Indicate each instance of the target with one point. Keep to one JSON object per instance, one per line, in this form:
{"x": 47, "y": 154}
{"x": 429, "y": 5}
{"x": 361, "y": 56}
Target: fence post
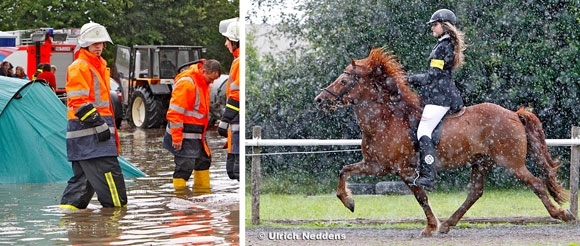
{"x": 574, "y": 163}
{"x": 256, "y": 176}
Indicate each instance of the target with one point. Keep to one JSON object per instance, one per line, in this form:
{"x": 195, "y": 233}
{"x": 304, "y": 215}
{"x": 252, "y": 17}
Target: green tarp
{"x": 32, "y": 135}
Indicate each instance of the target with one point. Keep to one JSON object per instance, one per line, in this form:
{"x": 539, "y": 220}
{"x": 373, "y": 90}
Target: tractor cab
{"x": 146, "y": 74}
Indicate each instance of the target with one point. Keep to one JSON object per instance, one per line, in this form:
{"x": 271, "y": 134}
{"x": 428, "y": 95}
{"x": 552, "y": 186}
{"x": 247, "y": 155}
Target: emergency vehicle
{"x": 141, "y": 97}
{"x": 45, "y": 45}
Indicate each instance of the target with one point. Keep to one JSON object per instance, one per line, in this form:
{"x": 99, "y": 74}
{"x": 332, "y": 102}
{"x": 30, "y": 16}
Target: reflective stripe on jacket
{"x": 188, "y": 114}
{"x": 233, "y": 85}
{"x": 88, "y": 82}
{"x": 233, "y": 88}
{"x": 233, "y": 98}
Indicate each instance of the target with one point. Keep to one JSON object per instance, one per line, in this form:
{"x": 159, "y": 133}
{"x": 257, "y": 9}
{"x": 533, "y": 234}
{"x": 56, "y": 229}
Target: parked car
{"x": 116, "y": 93}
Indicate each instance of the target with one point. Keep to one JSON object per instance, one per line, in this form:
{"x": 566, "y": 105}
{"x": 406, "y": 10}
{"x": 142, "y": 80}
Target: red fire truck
{"x": 44, "y": 46}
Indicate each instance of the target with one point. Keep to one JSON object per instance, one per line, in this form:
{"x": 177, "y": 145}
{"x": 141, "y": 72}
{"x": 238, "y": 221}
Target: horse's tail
{"x": 538, "y": 148}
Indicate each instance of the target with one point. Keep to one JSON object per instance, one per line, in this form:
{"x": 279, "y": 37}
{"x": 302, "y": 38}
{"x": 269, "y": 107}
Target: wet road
{"x": 156, "y": 215}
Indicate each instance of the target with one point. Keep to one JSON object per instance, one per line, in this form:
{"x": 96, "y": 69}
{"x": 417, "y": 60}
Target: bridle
{"x": 355, "y": 79}
{"x": 347, "y": 89}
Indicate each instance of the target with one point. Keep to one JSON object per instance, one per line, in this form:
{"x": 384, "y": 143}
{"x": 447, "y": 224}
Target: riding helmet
{"x": 443, "y": 15}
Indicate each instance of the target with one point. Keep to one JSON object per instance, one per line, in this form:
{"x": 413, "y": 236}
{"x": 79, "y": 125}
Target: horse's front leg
{"x": 421, "y": 196}
{"x": 362, "y": 167}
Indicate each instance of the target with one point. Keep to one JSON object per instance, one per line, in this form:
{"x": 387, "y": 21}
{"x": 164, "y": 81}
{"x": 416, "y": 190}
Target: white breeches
{"x": 432, "y": 115}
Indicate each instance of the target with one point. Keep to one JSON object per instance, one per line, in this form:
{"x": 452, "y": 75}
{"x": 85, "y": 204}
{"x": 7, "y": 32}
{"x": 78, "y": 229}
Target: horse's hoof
{"x": 444, "y": 228}
{"x": 426, "y": 233}
{"x": 350, "y": 205}
{"x": 570, "y": 218}
{"x": 347, "y": 201}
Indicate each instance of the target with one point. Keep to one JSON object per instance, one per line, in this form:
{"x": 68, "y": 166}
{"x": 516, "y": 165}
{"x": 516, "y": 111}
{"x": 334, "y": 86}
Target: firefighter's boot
{"x": 179, "y": 183}
{"x": 201, "y": 181}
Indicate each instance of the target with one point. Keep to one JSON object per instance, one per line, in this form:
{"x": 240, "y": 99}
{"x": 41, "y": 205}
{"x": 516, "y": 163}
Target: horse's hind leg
{"x": 477, "y": 178}
{"x": 534, "y": 183}
{"x": 356, "y": 168}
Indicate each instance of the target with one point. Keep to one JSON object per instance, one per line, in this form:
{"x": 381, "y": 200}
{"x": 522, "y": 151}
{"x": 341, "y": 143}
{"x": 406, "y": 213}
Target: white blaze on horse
{"x": 483, "y": 136}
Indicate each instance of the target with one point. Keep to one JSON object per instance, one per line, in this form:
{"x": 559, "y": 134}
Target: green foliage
{"x": 131, "y": 22}
{"x": 518, "y": 53}
{"x": 526, "y": 54}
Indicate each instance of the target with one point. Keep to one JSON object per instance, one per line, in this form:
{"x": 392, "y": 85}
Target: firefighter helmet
{"x": 93, "y": 33}
{"x": 233, "y": 31}
{"x": 443, "y": 15}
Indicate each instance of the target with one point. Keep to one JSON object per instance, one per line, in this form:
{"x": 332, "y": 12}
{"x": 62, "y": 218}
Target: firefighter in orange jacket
{"x": 229, "y": 125}
{"x": 187, "y": 122}
{"x": 91, "y": 139}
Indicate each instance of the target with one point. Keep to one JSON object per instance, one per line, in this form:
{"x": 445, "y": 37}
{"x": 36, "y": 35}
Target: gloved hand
{"x": 416, "y": 79}
{"x": 90, "y": 117}
{"x": 103, "y": 132}
{"x": 223, "y": 129}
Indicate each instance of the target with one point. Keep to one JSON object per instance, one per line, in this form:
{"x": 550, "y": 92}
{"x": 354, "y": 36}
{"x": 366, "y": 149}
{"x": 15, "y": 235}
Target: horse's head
{"x": 351, "y": 87}
{"x": 378, "y": 77}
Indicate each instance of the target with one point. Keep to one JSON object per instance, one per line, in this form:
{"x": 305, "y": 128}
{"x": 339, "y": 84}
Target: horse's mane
{"x": 399, "y": 92}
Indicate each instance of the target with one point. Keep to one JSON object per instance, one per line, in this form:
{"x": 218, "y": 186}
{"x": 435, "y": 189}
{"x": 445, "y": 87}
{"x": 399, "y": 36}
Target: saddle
{"x": 436, "y": 135}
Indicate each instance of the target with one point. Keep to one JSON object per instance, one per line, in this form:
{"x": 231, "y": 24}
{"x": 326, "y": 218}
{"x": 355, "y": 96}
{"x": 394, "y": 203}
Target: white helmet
{"x": 93, "y": 33}
{"x": 233, "y": 31}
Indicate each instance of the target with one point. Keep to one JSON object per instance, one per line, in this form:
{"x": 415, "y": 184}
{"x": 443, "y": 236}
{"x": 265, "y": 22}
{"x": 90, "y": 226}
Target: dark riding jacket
{"x": 437, "y": 86}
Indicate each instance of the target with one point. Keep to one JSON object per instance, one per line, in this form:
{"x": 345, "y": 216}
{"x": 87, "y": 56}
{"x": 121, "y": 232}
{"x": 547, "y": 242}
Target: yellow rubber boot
{"x": 201, "y": 181}
{"x": 68, "y": 207}
{"x": 179, "y": 183}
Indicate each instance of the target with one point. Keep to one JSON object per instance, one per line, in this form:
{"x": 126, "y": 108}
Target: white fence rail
{"x": 256, "y": 142}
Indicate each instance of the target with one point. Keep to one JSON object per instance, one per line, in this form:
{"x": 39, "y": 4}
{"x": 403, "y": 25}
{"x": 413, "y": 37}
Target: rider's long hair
{"x": 457, "y": 38}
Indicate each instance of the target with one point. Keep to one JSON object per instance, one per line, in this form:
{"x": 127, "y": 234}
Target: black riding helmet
{"x": 443, "y": 15}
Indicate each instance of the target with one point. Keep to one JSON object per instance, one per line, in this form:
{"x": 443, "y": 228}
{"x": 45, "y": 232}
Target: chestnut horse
{"x": 484, "y": 135}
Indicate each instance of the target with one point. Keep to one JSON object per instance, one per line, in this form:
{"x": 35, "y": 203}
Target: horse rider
{"x": 437, "y": 89}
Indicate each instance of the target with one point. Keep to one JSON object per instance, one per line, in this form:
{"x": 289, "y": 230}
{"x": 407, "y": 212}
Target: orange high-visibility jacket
{"x": 233, "y": 85}
{"x": 87, "y": 81}
{"x": 188, "y": 113}
{"x": 232, "y": 104}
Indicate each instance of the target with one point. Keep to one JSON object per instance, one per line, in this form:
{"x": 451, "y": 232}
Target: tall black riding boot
{"x": 428, "y": 159}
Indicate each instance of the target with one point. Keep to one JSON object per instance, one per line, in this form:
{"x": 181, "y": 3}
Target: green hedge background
{"x": 520, "y": 52}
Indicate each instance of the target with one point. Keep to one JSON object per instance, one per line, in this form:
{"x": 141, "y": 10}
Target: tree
{"x": 131, "y": 22}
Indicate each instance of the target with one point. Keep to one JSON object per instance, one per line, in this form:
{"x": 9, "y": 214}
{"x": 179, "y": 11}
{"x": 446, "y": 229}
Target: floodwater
{"x": 155, "y": 215}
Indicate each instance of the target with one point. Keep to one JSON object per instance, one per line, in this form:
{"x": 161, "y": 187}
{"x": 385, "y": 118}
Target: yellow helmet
{"x": 93, "y": 33}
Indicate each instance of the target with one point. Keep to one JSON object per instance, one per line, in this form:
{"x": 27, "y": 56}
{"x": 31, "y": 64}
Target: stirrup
{"x": 416, "y": 177}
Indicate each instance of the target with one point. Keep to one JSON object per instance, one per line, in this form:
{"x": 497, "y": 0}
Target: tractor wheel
{"x": 145, "y": 110}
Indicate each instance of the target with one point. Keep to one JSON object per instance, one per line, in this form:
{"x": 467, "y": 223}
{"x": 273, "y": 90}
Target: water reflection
{"x": 156, "y": 213}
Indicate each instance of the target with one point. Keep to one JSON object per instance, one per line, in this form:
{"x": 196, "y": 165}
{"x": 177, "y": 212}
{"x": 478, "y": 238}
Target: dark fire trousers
{"x": 101, "y": 175}
{"x": 184, "y": 166}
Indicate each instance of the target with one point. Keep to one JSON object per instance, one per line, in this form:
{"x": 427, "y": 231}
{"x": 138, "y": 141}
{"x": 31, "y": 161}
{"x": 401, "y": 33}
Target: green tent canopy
{"x": 32, "y": 135}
